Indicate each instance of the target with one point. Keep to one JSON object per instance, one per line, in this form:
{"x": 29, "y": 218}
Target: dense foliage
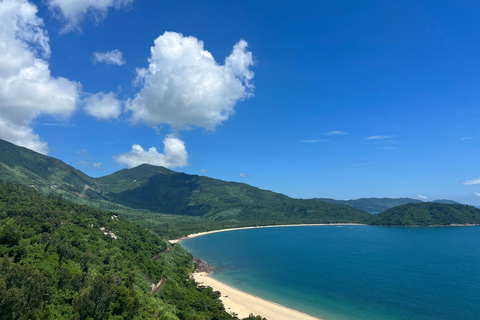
{"x": 57, "y": 262}
{"x": 372, "y": 204}
{"x": 427, "y": 214}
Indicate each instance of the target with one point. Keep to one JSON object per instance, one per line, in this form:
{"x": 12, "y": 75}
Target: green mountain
{"x": 59, "y": 261}
{"x": 427, "y": 214}
{"x": 160, "y": 198}
{"x": 446, "y": 201}
{"x": 372, "y": 204}
{"x": 28, "y": 167}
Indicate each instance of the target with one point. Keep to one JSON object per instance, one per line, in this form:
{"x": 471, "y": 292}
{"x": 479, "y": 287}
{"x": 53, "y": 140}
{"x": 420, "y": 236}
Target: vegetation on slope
{"x": 166, "y": 201}
{"x": 57, "y": 263}
{"x": 372, "y": 204}
{"x": 427, "y": 214}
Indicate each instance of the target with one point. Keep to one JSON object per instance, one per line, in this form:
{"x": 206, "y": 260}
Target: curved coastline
{"x": 242, "y": 303}
{"x": 193, "y": 235}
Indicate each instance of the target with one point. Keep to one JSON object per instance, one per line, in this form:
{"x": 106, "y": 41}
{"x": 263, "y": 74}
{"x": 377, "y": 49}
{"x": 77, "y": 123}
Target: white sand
{"x": 241, "y": 303}
{"x": 193, "y": 235}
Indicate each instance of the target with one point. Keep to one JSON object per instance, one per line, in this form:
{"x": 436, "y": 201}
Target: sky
{"x": 335, "y": 99}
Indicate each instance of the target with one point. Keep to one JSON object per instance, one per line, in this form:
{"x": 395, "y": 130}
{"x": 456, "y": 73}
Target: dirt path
{"x": 157, "y": 287}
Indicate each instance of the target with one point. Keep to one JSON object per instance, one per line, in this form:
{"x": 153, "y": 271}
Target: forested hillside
{"x": 166, "y": 201}
{"x": 427, "y": 214}
{"x": 59, "y": 260}
{"x": 372, "y": 204}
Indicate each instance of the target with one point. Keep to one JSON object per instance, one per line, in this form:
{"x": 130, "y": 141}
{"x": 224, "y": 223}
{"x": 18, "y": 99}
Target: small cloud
{"x": 363, "y": 164}
{"x": 470, "y": 182}
{"x": 174, "y": 155}
{"x": 386, "y": 148}
{"x": 336, "y": 133}
{"x": 477, "y": 194}
{"x": 421, "y": 197}
{"x": 466, "y": 138}
{"x": 203, "y": 170}
{"x": 88, "y": 166}
{"x": 114, "y": 57}
{"x": 312, "y": 141}
{"x": 243, "y": 175}
{"x": 103, "y": 106}
{"x": 59, "y": 124}
{"x": 378, "y": 137}
{"x": 83, "y": 151}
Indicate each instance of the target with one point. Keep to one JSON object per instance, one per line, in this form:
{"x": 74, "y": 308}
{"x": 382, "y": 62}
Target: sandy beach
{"x": 193, "y": 235}
{"x": 243, "y": 303}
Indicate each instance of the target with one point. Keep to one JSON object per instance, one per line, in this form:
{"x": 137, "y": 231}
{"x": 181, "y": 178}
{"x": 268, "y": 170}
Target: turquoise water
{"x": 356, "y": 272}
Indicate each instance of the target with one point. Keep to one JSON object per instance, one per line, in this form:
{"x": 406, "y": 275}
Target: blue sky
{"x": 341, "y": 99}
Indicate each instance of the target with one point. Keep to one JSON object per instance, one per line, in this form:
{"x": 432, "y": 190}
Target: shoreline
{"x": 198, "y": 234}
{"x": 243, "y": 304}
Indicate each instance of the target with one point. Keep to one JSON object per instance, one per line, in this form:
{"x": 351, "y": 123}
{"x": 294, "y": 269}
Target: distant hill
{"x": 157, "y": 190}
{"x": 372, "y": 204}
{"x": 446, "y": 201}
{"x": 427, "y": 214}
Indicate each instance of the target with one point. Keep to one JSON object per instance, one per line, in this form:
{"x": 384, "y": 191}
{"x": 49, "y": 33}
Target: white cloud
{"x": 88, "y": 166}
{"x": 312, "y": 141}
{"x": 175, "y": 155}
{"x": 103, "y": 106}
{"x": 72, "y": 12}
{"x": 467, "y": 138}
{"x": 203, "y": 170}
{"x": 114, "y": 57}
{"x": 477, "y": 194}
{"x": 336, "y": 133}
{"x": 184, "y": 86}
{"x": 421, "y": 197}
{"x": 470, "y": 182}
{"x": 378, "y": 137}
{"x": 27, "y": 89}
{"x": 243, "y": 175}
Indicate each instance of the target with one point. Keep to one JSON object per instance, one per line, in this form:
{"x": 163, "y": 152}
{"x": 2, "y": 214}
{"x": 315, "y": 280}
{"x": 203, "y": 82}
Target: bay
{"x": 352, "y": 272}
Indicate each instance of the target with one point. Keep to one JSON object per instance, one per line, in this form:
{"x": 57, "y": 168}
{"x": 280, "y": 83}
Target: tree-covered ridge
{"x": 427, "y": 214}
{"x": 59, "y": 260}
{"x": 372, "y": 204}
{"x": 172, "y": 202}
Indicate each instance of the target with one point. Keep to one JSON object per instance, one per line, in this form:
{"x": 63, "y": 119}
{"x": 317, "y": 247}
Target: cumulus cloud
{"x": 103, "y": 106}
{"x": 174, "y": 155}
{"x": 378, "y": 137}
{"x": 73, "y": 12}
{"x": 336, "y": 133}
{"x": 471, "y": 182}
{"x": 243, "y": 175}
{"x": 421, "y": 197}
{"x": 185, "y": 87}
{"x": 27, "y": 89}
{"x": 114, "y": 57}
{"x": 477, "y": 194}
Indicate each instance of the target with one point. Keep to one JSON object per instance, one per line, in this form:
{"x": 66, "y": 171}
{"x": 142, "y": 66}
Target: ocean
{"x": 353, "y": 272}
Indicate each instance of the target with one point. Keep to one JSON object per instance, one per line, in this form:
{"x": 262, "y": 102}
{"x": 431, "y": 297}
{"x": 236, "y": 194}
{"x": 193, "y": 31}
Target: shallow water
{"x": 356, "y": 272}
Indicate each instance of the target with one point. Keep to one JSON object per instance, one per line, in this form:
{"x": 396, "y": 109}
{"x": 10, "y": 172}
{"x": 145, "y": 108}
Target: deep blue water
{"x": 356, "y": 272}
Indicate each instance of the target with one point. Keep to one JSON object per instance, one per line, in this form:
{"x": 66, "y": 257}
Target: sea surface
{"x": 353, "y": 272}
